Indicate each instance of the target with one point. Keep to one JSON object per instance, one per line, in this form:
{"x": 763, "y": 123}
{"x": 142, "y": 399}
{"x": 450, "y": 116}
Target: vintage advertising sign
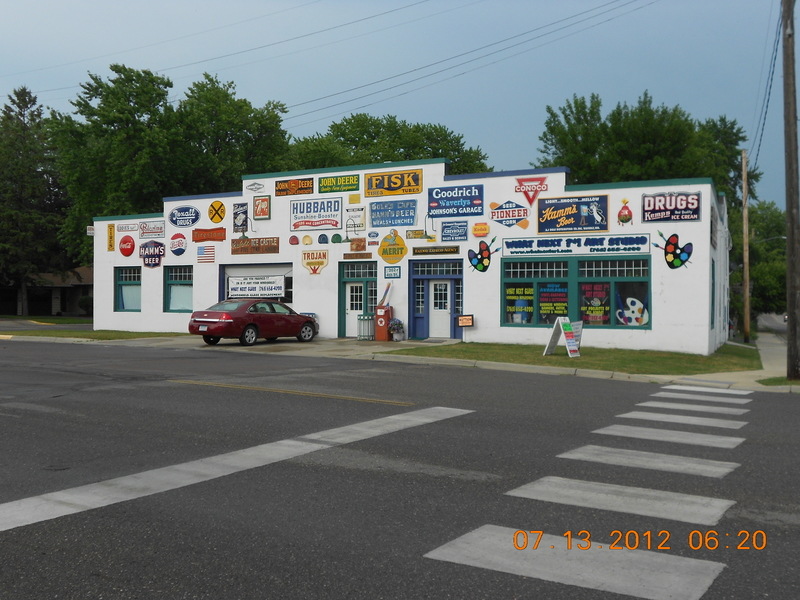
{"x": 428, "y": 250}
{"x": 577, "y": 213}
{"x": 256, "y": 286}
{"x": 391, "y": 272}
{"x": 510, "y": 214}
{"x": 267, "y": 245}
{"x": 673, "y": 206}
{"x": 262, "y": 207}
{"x": 240, "y": 217}
{"x": 454, "y": 231}
{"x": 356, "y": 219}
{"x": 393, "y": 183}
{"x": 608, "y": 244}
{"x": 151, "y": 253}
{"x": 316, "y": 214}
{"x": 126, "y": 245}
{"x": 110, "y": 238}
{"x": 465, "y": 321}
{"x": 480, "y": 229}
{"x": 456, "y": 201}
{"x": 314, "y": 260}
{"x": 393, "y": 213}
{"x": 151, "y": 229}
{"x": 178, "y": 244}
{"x": 127, "y": 227}
{"x": 393, "y": 248}
{"x": 184, "y": 216}
{"x": 217, "y": 234}
{"x": 338, "y": 183}
{"x": 255, "y": 186}
{"x": 531, "y": 186}
{"x": 294, "y": 187}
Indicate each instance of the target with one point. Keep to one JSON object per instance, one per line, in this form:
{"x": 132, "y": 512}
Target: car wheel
{"x": 249, "y": 336}
{"x": 211, "y": 340}
{"x": 306, "y": 333}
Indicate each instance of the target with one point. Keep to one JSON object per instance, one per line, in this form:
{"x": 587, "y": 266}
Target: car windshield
{"x": 227, "y": 305}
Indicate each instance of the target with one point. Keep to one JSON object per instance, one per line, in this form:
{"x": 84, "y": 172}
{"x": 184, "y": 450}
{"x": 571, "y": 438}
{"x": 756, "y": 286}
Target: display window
{"x": 600, "y": 293}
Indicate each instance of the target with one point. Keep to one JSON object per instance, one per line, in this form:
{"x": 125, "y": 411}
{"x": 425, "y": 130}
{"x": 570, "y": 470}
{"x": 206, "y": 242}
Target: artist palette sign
{"x": 678, "y": 206}
{"x": 577, "y": 213}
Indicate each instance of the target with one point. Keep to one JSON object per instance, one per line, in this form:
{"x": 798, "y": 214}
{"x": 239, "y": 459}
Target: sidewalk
{"x": 771, "y": 347}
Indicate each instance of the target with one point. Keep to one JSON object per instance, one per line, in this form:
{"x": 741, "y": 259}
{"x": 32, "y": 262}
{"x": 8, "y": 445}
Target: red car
{"x": 249, "y": 319}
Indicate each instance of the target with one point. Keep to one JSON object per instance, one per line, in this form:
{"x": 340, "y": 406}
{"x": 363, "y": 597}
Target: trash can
{"x": 366, "y": 327}
{"x": 383, "y": 314}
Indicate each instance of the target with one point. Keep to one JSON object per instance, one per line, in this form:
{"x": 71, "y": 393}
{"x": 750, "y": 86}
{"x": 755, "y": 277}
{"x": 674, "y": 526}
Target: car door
{"x": 262, "y": 317}
{"x": 284, "y": 321}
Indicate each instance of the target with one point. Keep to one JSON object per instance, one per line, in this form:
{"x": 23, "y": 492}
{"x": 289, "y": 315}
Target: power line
{"x": 761, "y": 125}
{"x": 463, "y": 63}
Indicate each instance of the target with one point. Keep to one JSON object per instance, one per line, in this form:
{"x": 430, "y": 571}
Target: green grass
{"x": 53, "y": 320}
{"x": 727, "y": 358}
{"x": 773, "y": 381}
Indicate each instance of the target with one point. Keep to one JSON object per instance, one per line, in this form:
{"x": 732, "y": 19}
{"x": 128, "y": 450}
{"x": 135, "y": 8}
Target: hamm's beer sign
{"x": 393, "y": 183}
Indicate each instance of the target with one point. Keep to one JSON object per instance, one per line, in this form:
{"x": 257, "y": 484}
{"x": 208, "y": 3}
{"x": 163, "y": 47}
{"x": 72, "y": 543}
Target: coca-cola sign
{"x": 126, "y": 245}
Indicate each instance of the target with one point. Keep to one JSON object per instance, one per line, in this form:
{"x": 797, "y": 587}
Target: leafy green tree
{"x": 364, "y": 139}
{"x": 32, "y": 202}
{"x": 225, "y": 137}
{"x": 117, "y": 159}
{"x": 127, "y": 147}
{"x": 643, "y": 142}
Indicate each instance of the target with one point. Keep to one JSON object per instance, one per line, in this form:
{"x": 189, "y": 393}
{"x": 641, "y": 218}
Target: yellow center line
{"x": 293, "y": 392}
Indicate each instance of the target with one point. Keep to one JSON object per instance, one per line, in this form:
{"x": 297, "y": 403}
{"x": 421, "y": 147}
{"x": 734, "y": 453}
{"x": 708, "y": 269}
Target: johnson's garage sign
{"x": 457, "y": 201}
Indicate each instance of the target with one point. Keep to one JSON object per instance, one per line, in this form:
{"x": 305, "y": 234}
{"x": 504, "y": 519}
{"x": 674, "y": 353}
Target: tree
{"x": 643, "y": 142}
{"x": 363, "y": 139}
{"x": 127, "y": 147}
{"x": 31, "y": 200}
{"x": 225, "y": 137}
{"x": 117, "y": 159}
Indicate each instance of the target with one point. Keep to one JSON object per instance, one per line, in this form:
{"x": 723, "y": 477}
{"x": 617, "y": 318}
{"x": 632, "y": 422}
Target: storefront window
{"x": 178, "y": 289}
{"x": 552, "y": 302}
{"x": 128, "y": 289}
{"x": 601, "y": 293}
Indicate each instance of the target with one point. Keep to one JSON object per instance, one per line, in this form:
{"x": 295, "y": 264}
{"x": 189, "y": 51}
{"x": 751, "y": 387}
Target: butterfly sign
{"x": 481, "y": 259}
{"x": 675, "y": 255}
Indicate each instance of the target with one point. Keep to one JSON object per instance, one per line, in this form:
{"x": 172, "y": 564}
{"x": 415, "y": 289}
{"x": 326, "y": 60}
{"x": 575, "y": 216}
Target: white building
{"x": 644, "y": 265}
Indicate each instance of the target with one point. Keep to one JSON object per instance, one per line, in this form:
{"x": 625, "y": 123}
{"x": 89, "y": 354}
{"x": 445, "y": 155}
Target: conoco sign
{"x": 127, "y": 245}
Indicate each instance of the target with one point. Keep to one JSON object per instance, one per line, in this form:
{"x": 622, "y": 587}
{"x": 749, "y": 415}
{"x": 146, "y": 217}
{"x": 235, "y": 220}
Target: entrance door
{"x": 354, "y": 299}
{"x": 441, "y": 314}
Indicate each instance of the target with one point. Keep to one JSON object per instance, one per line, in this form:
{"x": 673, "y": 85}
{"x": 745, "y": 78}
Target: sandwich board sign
{"x": 572, "y": 337}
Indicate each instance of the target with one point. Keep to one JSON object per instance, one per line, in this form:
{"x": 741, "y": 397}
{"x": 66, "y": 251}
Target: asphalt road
{"x": 135, "y": 472}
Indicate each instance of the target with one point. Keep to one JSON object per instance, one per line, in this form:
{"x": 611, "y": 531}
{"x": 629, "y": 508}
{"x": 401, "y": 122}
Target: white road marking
{"x": 621, "y": 498}
{"x": 697, "y": 388}
{"x": 651, "y": 460}
{"x": 27, "y": 511}
{"x": 672, "y": 436}
{"x": 720, "y": 410}
{"x": 683, "y": 419}
{"x": 643, "y": 574}
{"x": 680, "y": 396}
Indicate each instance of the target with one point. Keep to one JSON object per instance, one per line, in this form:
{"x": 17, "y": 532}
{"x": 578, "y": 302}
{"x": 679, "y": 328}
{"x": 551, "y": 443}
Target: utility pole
{"x": 792, "y": 236}
{"x": 745, "y": 252}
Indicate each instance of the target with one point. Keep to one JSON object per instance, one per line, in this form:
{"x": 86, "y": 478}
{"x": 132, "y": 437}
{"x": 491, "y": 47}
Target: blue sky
{"x": 486, "y": 69}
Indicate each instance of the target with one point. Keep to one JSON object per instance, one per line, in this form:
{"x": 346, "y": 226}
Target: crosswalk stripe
{"x": 672, "y": 436}
{"x": 697, "y": 388}
{"x": 720, "y": 410}
{"x": 704, "y": 398}
{"x": 620, "y": 498}
{"x": 684, "y": 419}
{"x": 27, "y": 511}
{"x": 640, "y": 573}
{"x": 651, "y": 460}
